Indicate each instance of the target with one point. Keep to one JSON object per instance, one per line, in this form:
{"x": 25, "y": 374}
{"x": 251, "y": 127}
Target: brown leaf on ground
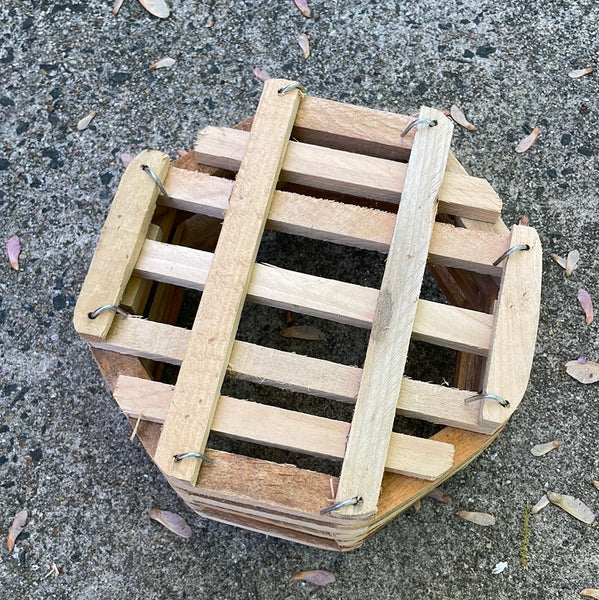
{"x": 573, "y": 506}
{"x": 304, "y": 44}
{"x": 523, "y": 221}
{"x": 528, "y": 141}
{"x": 126, "y": 159}
{"x": 458, "y": 116}
{"x": 304, "y": 8}
{"x": 158, "y": 8}
{"x": 576, "y": 73}
{"x": 317, "y": 577}
{"x": 261, "y": 74}
{"x": 590, "y": 593}
{"x": 303, "y": 332}
{"x": 572, "y": 262}
{"x": 117, "y": 6}
{"x": 13, "y": 247}
{"x": 540, "y": 505}
{"x": 478, "y": 518}
{"x": 586, "y": 304}
{"x": 584, "y": 371}
{"x": 84, "y": 123}
{"x": 542, "y": 449}
{"x": 171, "y": 521}
{"x": 596, "y": 484}
{"x": 163, "y": 63}
{"x": 439, "y": 495}
{"x": 18, "y": 524}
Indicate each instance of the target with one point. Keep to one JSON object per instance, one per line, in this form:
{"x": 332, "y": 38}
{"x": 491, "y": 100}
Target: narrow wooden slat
{"x": 368, "y": 441}
{"x": 331, "y": 221}
{"x": 351, "y": 174}
{"x": 515, "y": 330}
{"x": 198, "y": 386}
{"x": 440, "y": 324}
{"x": 285, "y": 429}
{"x": 119, "y": 245}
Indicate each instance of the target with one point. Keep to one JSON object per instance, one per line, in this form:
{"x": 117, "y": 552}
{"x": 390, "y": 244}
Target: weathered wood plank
{"x": 352, "y": 174}
{"x": 119, "y": 245}
{"x": 198, "y": 386}
{"x": 372, "y": 423}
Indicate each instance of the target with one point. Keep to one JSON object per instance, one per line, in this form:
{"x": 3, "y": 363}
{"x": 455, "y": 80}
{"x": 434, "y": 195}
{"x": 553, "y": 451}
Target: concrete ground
{"x": 65, "y": 452}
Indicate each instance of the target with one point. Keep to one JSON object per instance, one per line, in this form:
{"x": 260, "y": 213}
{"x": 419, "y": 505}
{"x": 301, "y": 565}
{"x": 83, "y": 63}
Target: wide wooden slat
{"x": 331, "y": 221}
{"x": 198, "y": 386}
{"x": 440, "y": 324}
{"x": 515, "y": 330}
{"x": 372, "y": 423}
{"x": 285, "y": 429}
{"x": 352, "y": 174}
{"x": 119, "y": 245}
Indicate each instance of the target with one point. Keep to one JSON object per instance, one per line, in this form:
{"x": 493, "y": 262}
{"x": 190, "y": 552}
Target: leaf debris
{"x": 525, "y": 143}
{"x": 500, "y": 567}
{"x": 577, "y": 73}
{"x": 585, "y": 372}
{"x": 573, "y": 506}
{"x": 261, "y": 74}
{"x": 317, "y": 577}
{"x": 303, "y": 332}
{"x": 304, "y": 44}
{"x": 304, "y": 8}
{"x": 542, "y": 449}
{"x": 458, "y": 116}
{"x": 158, "y": 8}
{"x": 439, "y": 495}
{"x": 586, "y": 304}
{"x": 117, "y": 6}
{"x": 13, "y": 247}
{"x": 479, "y": 518}
{"x": 590, "y": 592}
{"x": 84, "y": 123}
{"x": 540, "y": 505}
{"x": 171, "y": 521}
{"x": 18, "y": 524}
{"x": 569, "y": 263}
{"x": 163, "y": 63}
{"x": 525, "y": 536}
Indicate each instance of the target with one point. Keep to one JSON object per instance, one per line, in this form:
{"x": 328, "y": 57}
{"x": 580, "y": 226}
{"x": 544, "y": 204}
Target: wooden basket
{"x": 332, "y": 172}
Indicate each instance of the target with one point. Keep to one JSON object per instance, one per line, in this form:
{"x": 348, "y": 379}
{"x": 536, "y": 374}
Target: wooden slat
{"x": 198, "y": 386}
{"x": 440, "y": 324}
{"x": 285, "y": 429}
{"x": 372, "y": 423}
{"x": 515, "y": 330}
{"x": 119, "y": 245}
{"x": 331, "y": 221}
{"x": 352, "y": 174}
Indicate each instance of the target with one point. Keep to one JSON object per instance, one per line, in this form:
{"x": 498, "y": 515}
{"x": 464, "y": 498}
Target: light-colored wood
{"x": 515, "y": 331}
{"x": 285, "y": 429}
{"x": 372, "y": 423}
{"x": 119, "y": 245}
{"x": 352, "y": 174}
{"x": 198, "y": 386}
{"x": 297, "y": 373}
{"x": 440, "y": 324}
{"x": 335, "y": 222}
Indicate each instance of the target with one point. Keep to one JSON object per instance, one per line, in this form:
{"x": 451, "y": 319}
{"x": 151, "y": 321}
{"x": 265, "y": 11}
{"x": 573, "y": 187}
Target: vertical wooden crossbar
{"x": 121, "y": 240}
{"x": 368, "y": 442}
{"x": 190, "y": 414}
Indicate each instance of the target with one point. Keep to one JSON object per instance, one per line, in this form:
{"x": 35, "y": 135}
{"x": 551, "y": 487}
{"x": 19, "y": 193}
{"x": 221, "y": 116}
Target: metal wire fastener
{"x": 101, "y": 309}
{"x": 356, "y": 500}
{"x": 508, "y": 252}
{"x": 294, "y": 85}
{"x": 429, "y": 122}
{"x": 180, "y": 457}
{"x": 156, "y": 180}
{"x": 499, "y": 399}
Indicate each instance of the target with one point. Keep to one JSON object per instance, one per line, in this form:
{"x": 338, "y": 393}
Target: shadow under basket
{"x": 309, "y": 448}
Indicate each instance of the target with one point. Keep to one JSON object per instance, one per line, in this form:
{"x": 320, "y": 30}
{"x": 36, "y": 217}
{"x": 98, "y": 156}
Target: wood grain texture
{"x": 352, "y": 174}
{"x": 515, "y": 330}
{"x": 198, "y": 386}
{"x": 368, "y": 441}
{"x": 119, "y": 245}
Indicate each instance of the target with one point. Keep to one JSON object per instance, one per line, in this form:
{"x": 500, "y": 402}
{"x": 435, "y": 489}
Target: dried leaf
{"x": 576, "y": 73}
{"x": 417, "y": 505}
{"x": 528, "y": 141}
{"x": 261, "y": 74}
{"x": 171, "y": 521}
{"x": 117, "y": 6}
{"x": 304, "y": 8}
{"x": 590, "y": 593}
{"x": 500, "y": 567}
{"x": 540, "y": 505}
{"x": 573, "y": 506}
{"x": 304, "y": 44}
{"x": 523, "y": 221}
{"x": 585, "y": 372}
{"x": 18, "y": 524}
{"x": 303, "y": 332}
{"x": 318, "y": 577}
{"x": 559, "y": 260}
{"x": 13, "y": 247}
{"x": 479, "y": 518}
{"x": 164, "y": 63}
{"x": 126, "y": 159}
{"x": 439, "y": 495}
{"x": 572, "y": 262}
{"x": 596, "y": 484}
{"x": 84, "y": 123}
{"x": 586, "y": 304}
{"x": 458, "y": 116}
{"x": 158, "y": 8}
{"x": 541, "y": 449}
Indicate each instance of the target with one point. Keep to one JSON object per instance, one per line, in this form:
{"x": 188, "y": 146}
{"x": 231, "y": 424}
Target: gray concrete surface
{"x": 65, "y": 452}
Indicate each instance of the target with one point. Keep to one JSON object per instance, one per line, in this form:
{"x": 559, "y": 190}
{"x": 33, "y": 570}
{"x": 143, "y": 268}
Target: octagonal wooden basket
{"x": 337, "y": 173}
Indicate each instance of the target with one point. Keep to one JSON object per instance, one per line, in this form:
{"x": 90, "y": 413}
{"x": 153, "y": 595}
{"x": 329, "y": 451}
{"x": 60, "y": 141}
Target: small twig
{"x": 525, "y": 537}
{"x": 135, "y": 428}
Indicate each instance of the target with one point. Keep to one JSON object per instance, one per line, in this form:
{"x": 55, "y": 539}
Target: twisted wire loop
{"x": 101, "y": 309}
{"x": 415, "y": 122}
{"x": 157, "y": 181}
{"x": 349, "y": 502}
{"x": 515, "y": 248}
{"x": 502, "y": 401}
{"x": 180, "y": 457}
{"x": 294, "y": 85}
